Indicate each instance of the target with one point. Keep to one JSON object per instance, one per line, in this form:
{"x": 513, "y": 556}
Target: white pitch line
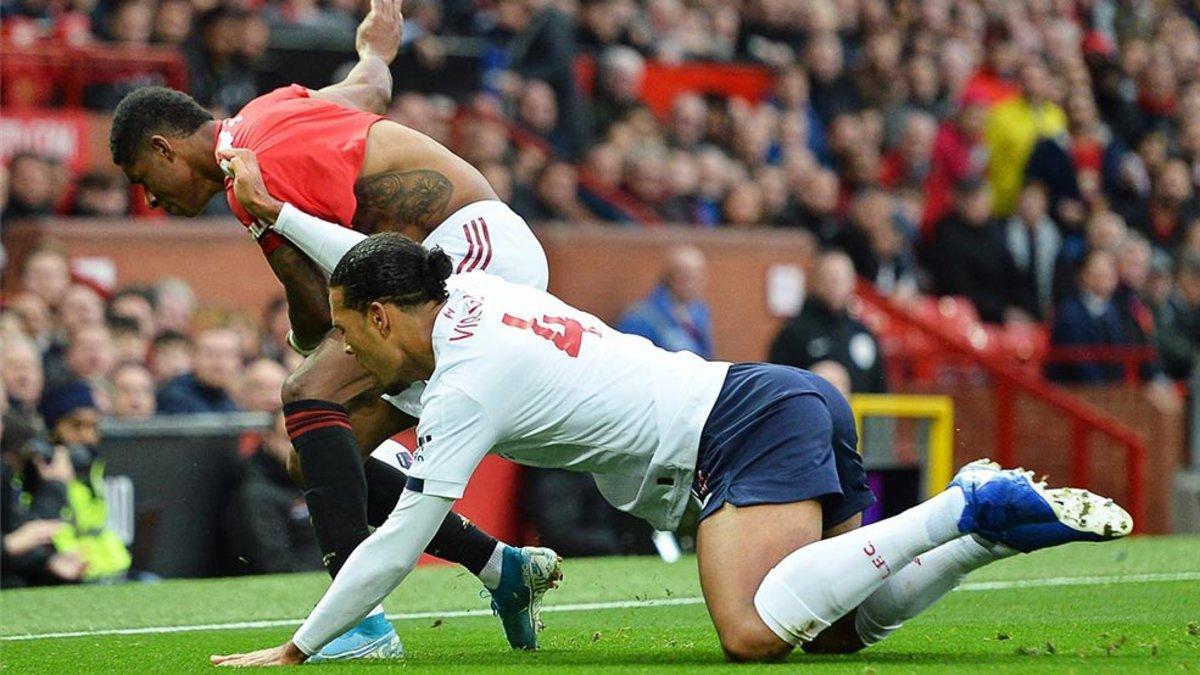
{"x": 591, "y": 606}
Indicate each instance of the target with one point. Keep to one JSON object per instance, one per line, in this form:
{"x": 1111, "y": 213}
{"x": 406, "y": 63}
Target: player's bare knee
{"x": 748, "y": 642}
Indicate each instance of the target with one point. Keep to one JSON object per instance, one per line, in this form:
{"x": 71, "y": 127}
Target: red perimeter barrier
{"x": 33, "y": 74}
{"x": 1010, "y": 378}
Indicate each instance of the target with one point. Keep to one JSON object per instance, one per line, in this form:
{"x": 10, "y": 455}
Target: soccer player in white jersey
{"x": 767, "y": 450}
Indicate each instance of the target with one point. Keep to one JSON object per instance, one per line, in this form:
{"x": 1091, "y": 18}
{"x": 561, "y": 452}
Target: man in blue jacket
{"x": 675, "y": 316}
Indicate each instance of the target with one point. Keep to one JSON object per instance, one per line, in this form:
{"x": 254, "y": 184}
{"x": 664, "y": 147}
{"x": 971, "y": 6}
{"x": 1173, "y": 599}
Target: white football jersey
{"x": 522, "y": 374}
{"x": 485, "y": 236}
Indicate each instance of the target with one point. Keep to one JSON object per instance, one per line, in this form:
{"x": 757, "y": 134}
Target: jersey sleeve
{"x": 453, "y": 436}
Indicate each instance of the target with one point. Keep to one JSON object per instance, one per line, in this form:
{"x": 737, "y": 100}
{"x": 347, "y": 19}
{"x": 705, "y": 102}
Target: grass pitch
{"x": 1129, "y": 607}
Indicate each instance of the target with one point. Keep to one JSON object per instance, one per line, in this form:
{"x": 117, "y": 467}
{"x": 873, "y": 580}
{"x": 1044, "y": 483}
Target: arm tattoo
{"x": 396, "y": 199}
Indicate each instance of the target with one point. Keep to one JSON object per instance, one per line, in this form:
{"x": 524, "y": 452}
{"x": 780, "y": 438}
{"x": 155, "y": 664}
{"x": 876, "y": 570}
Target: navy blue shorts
{"x": 779, "y": 435}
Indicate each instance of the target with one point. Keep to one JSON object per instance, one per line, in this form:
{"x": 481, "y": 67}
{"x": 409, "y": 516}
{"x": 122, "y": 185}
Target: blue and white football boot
{"x": 525, "y": 576}
{"x": 373, "y": 638}
{"x": 1010, "y": 508}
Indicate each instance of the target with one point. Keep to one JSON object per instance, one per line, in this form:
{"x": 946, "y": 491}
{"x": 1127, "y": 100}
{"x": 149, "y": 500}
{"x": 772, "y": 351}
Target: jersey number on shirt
{"x": 567, "y": 341}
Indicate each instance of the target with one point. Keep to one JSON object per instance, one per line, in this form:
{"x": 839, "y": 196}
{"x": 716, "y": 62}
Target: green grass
{"x": 1094, "y": 627}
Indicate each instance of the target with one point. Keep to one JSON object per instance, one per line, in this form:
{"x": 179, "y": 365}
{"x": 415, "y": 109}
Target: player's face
{"x": 168, "y": 181}
{"x": 374, "y": 342}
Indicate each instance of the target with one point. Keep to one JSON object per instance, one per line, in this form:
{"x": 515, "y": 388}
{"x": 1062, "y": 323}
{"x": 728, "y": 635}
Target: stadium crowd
{"x": 977, "y": 149}
{"x": 1039, "y": 158}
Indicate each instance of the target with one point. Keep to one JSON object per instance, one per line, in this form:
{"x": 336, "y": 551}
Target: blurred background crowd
{"x": 1038, "y": 158}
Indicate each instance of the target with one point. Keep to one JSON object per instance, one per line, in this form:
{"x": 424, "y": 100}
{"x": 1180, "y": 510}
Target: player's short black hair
{"x": 148, "y": 111}
{"x": 390, "y": 267}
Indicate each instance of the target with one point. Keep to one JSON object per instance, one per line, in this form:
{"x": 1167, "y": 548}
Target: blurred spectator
{"x": 538, "y": 43}
{"x": 81, "y": 307}
{"x": 173, "y": 22}
{"x": 173, "y": 356}
{"x": 132, "y": 392}
{"x": 259, "y": 387}
{"x": 1178, "y": 321}
{"x": 136, "y": 303}
{"x": 675, "y": 315}
{"x": 1014, "y": 127}
{"x": 824, "y": 329}
{"x": 556, "y": 196}
{"x": 878, "y": 250}
{"x": 618, "y": 84}
{"x": 174, "y": 305}
{"x": 959, "y": 154}
{"x": 218, "y": 76}
{"x": 131, "y": 22}
{"x": 72, "y": 417}
{"x": 207, "y": 388}
{"x": 968, "y": 256}
{"x": 745, "y": 205}
{"x": 1090, "y": 318}
{"x": 818, "y": 193}
{"x": 268, "y": 518}
{"x": 91, "y": 354}
{"x": 129, "y": 346}
{"x": 46, "y": 273}
{"x": 1033, "y": 242}
{"x": 21, "y": 374}
{"x": 100, "y": 194}
{"x": 36, "y": 320}
{"x": 28, "y": 520}
{"x": 31, "y": 187}
{"x": 1172, "y": 206}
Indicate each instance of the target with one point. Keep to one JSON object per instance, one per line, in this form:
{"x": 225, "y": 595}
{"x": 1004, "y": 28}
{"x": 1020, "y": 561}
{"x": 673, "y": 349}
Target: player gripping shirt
{"x": 769, "y": 452}
{"x": 308, "y": 152}
{"x": 330, "y": 152}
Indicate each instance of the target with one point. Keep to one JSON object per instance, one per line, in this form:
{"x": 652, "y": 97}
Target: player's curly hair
{"x": 390, "y": 267}
{"x": 148, "y": 111}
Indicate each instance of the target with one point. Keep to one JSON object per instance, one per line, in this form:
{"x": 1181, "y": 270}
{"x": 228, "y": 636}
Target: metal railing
{"x": 1009, "y": 379}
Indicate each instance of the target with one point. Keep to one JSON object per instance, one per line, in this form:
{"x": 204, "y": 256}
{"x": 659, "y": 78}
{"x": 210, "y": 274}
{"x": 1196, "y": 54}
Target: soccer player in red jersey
{"x": 330, "y": 154}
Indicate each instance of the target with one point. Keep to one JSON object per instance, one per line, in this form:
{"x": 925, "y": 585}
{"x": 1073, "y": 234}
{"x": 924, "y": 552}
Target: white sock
{"x": 490, "y": 574}
{"x": 922, "y": 583}
{"x": 378, "y": 610}
{"x": 325, "y": 242}
{"x": 818, "y": 584}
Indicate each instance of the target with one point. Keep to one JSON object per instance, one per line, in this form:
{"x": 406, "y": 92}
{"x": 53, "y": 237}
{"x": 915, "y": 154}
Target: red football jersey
{"x": 309, "y": 150}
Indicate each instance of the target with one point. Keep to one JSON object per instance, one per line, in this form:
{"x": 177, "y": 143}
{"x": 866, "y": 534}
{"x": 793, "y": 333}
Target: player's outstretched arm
{"x": 375, "y": 568}
{"x": 368, "y": 86}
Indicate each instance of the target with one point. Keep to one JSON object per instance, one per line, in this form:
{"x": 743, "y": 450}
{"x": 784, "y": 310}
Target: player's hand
{"x": 283, "y": 655}
{"x": 380, "y": 32}
{"x": 248, "y": 186}
{"x": 31, "y": 535}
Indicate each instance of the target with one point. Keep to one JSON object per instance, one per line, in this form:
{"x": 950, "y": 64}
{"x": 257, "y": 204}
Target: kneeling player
{"x": 769, "y": 451}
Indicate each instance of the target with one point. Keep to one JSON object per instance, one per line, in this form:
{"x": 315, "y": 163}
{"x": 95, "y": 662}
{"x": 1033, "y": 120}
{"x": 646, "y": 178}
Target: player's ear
{"x": 378, "y": 317}
{"x": 161, "y": 146}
